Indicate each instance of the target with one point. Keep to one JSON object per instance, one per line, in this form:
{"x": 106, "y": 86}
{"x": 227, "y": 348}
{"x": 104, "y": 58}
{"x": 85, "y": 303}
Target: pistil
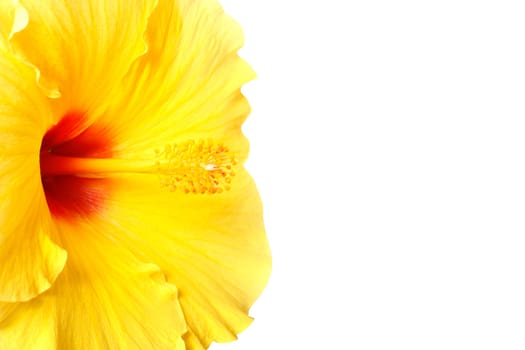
{"x": 193, "y": 167}
{"x": 51, "y": 164}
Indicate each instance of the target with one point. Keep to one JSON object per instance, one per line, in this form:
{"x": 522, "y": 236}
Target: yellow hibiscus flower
{"x": 127, "y": 220}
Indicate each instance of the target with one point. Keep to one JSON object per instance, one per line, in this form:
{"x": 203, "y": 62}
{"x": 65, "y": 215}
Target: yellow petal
{"x": 30, "y": 260}
{"x": 212, "y": 247}
{"x": 28, "y": 325}
{"x": 83, "y": 48}
{"x": 104, "y": 299}
{"x": 188, "y": 83}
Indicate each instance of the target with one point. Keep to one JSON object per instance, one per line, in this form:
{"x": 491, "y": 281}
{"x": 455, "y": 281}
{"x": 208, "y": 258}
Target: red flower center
{"x": 73, "y": 196}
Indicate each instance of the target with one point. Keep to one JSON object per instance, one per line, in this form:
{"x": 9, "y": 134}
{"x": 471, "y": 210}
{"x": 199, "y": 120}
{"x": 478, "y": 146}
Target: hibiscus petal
{"x": 187, "y": 84}
{"x": 104, "y": 299}
{"x": 83, "y": 48}
{"x": 212, "y": 247}
{"x": 30, "y": 260}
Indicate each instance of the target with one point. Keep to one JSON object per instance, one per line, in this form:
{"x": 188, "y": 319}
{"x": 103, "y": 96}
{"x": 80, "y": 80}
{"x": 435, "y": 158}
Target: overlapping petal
{"x": 104, "y": 299}
{"x": 212, "y": 247}
{"x": 30, "y": 260}
{"x": 188, "y": 83}
{"x": 83, "y": 48}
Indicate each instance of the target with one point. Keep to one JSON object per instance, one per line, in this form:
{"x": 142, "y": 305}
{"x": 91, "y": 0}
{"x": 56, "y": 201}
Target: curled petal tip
{"x": 21, "y": 19}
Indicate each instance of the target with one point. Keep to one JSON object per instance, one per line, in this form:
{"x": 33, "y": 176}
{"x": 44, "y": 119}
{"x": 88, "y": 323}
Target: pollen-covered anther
{"x": 200, "y": 167}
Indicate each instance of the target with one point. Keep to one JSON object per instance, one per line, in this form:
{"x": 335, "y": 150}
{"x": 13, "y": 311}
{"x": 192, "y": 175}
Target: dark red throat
{"x": 69, "y": 196}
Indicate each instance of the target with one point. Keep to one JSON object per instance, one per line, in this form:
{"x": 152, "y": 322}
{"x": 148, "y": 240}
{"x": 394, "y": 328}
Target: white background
{"x": 388, "y": 144}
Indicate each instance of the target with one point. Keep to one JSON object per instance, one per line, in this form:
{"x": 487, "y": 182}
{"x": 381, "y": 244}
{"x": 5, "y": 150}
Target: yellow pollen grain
{"x": 199, "y": 167}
